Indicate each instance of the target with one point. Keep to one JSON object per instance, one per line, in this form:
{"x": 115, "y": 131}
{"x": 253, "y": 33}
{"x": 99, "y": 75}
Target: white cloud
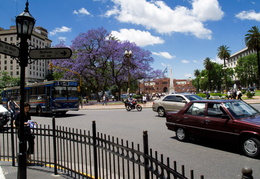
{"x": 62, "y": 39}
{"x": 157, "y": 15}
{"x": 248, "y": 15}
{"x": 141, "y": 38}
{"x": 81, "y": 11}
{"x": 58, "y": 30}
{"x": 207, "y": 10}
{"x": 188, "y": 75}
{"x": 164, "y": 54}
{"x": 185, "y": 61}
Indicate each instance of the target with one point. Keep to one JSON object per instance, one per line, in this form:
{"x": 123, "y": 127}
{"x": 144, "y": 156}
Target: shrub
{"x": 249, "y": 94}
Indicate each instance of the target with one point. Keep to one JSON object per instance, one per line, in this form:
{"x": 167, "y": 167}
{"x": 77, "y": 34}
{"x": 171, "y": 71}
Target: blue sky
{"x": 179, "y": 33}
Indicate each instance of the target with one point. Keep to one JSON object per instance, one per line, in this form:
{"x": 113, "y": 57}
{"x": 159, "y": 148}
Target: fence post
{"x": 12, "y": 141}
{"x": 54, "y": 145}
{"x": 146, "y": 161}
{"x": 94, "y": 135}
{"x": 247, "y": 173}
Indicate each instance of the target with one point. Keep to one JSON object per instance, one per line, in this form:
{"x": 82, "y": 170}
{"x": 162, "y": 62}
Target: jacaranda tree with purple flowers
{"x": 99, "y": 58}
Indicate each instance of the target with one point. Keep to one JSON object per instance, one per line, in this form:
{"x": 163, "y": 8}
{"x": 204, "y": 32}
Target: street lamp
{"x": 24, "y": 25}
{"x": 128, "y": 56}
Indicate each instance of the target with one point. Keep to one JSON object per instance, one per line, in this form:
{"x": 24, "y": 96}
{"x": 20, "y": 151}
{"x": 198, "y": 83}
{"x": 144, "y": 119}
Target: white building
{"x": 34, "y": 72}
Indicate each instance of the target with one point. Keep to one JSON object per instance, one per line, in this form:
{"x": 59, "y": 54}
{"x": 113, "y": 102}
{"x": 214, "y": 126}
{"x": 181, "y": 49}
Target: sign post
{"x": 50, "y": 53}
{"x": 9, "y": 49}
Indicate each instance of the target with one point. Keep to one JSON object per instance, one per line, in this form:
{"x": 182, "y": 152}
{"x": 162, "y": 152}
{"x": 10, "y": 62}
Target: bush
{"x": 249, "y": 94}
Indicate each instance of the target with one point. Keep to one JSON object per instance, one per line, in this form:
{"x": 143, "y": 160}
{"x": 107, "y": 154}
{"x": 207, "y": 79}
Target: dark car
{"x": 224, "y": 120}
{"x": 4, "y": 116}
{"x": 173, "y": 102}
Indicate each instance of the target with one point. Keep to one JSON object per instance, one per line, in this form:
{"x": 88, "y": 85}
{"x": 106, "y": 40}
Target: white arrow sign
{"x": 9, "y": 49}
{"x": 50, "y": 53}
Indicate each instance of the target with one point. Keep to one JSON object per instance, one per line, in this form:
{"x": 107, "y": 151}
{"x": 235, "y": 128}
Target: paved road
{"x": 211, "y": 159}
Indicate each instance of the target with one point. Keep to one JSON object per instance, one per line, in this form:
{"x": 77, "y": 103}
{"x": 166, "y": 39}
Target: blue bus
{"x": 57, "y": 96}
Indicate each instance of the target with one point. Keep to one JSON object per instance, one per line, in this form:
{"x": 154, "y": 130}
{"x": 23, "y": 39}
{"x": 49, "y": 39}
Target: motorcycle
{"x": 132, "y": 105}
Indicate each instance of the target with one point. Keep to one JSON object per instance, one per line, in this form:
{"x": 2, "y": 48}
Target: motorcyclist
{"x": 131, "y": 101}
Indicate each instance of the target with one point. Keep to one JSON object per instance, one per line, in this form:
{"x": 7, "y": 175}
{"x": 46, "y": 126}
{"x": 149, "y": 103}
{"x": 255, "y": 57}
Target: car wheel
{"x": 181, "y": 134}
{"x": 251, "y": 147}
{"x": 161, "y": 112}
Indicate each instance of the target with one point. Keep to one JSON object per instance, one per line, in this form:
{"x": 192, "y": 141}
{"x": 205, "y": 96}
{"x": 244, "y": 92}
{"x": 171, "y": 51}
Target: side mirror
{"x": 184, "y": 101}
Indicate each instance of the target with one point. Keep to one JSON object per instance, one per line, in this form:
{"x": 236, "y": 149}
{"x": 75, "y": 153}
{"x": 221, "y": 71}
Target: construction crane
{"x": 80, "y": 80}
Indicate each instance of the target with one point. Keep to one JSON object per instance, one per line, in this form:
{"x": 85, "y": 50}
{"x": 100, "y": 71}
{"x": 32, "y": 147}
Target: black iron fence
{"x": 82, "y": 154}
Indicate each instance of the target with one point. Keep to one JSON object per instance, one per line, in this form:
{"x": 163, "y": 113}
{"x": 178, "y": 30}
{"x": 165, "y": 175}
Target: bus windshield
{"x": 65, "y": 92}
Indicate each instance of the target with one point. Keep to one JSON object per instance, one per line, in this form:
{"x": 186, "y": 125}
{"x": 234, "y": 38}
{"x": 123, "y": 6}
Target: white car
{"x": 4, "y": 116}
{"x": 173, "y": 102}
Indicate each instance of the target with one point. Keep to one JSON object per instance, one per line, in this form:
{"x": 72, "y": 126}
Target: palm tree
{"x": 208, "y": 66}
{"x": 252, "y": 40}
{"x": 197, "y": 74}
{"x": 224, "y": 54}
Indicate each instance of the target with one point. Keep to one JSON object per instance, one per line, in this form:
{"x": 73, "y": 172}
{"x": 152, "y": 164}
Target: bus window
{"x": 72, "y": 91}
{"x": 60, "y": 92}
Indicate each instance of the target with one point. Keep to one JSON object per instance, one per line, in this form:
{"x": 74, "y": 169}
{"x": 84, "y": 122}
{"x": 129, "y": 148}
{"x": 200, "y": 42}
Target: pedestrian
{"x": 28, "y": 125}
{"x": 11, "y": 106}
{"x": 239, "y": 94}
{"x": 207, "y": 95}
{"x": 234, "y": 94}
{"x": 144, "y": 99}
{"x": 104, "y": 100}
{"x": 229, "y": 95}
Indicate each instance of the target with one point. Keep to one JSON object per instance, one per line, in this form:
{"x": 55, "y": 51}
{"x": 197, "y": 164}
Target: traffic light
{"x": 78, "y": 88}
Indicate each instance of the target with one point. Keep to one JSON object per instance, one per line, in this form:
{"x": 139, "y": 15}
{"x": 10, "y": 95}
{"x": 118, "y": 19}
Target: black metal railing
{"x": 82, "y": 154}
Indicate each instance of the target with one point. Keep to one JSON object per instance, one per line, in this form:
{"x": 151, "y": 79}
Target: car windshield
{"x": 240, "y": 109}
{"x": 193, "y": 97}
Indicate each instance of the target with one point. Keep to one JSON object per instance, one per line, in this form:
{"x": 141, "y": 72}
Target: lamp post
{"x": 24, "y": 25}
{"x": 128, "y": 56}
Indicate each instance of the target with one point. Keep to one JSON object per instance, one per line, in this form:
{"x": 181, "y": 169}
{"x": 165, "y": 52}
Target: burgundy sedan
{"x": 225, "y": 120}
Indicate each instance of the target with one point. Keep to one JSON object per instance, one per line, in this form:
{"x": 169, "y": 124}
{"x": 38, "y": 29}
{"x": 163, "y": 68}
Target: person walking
{"x": 144, "y": 99}
{"x": 11, "y": 106}
{"x": 104, "y": 100}
{"x": 28, "y": 124}
{"x": 239, "y": 94}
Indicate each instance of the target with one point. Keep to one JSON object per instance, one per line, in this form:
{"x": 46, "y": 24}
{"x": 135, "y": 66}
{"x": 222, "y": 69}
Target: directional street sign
{"x": 50, "y": 53}
{"x": 9, "y": 49}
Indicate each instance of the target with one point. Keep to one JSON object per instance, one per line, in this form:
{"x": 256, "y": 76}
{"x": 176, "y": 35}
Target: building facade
{"x": 232, "y": 61}
{"x": 34, "y": 72}
{"x": 162, "y": 85}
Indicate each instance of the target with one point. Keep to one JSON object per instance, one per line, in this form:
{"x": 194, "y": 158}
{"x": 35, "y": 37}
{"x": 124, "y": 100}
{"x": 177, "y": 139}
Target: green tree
{"x": 208, "y": 66}
{"x": 252, "y": 40}
{"x": 246, "y": 70}
{"x": 197, "y": 74}
{"x": 224, "y": 54}
{"x": 8, "y": 81}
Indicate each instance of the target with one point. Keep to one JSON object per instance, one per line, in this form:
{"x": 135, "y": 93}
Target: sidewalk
{"x": 7, "y": 171}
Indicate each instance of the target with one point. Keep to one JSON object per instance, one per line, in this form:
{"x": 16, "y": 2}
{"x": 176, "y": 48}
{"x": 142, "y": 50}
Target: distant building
{"x": 162, "y": 85}
{"x": 232, "y": 61}
{"x": 34, "y": 72}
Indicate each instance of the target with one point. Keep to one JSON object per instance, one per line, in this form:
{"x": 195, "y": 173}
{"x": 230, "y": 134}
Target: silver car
{"x": 173, "y": 102}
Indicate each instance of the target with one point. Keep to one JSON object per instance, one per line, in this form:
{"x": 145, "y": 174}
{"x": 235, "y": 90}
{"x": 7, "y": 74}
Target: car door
{"x": 193, "y": 119}
{"x": 216, "y": 126}
{"x": 179, "y": 103}
{"x": 168, "y": 103}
